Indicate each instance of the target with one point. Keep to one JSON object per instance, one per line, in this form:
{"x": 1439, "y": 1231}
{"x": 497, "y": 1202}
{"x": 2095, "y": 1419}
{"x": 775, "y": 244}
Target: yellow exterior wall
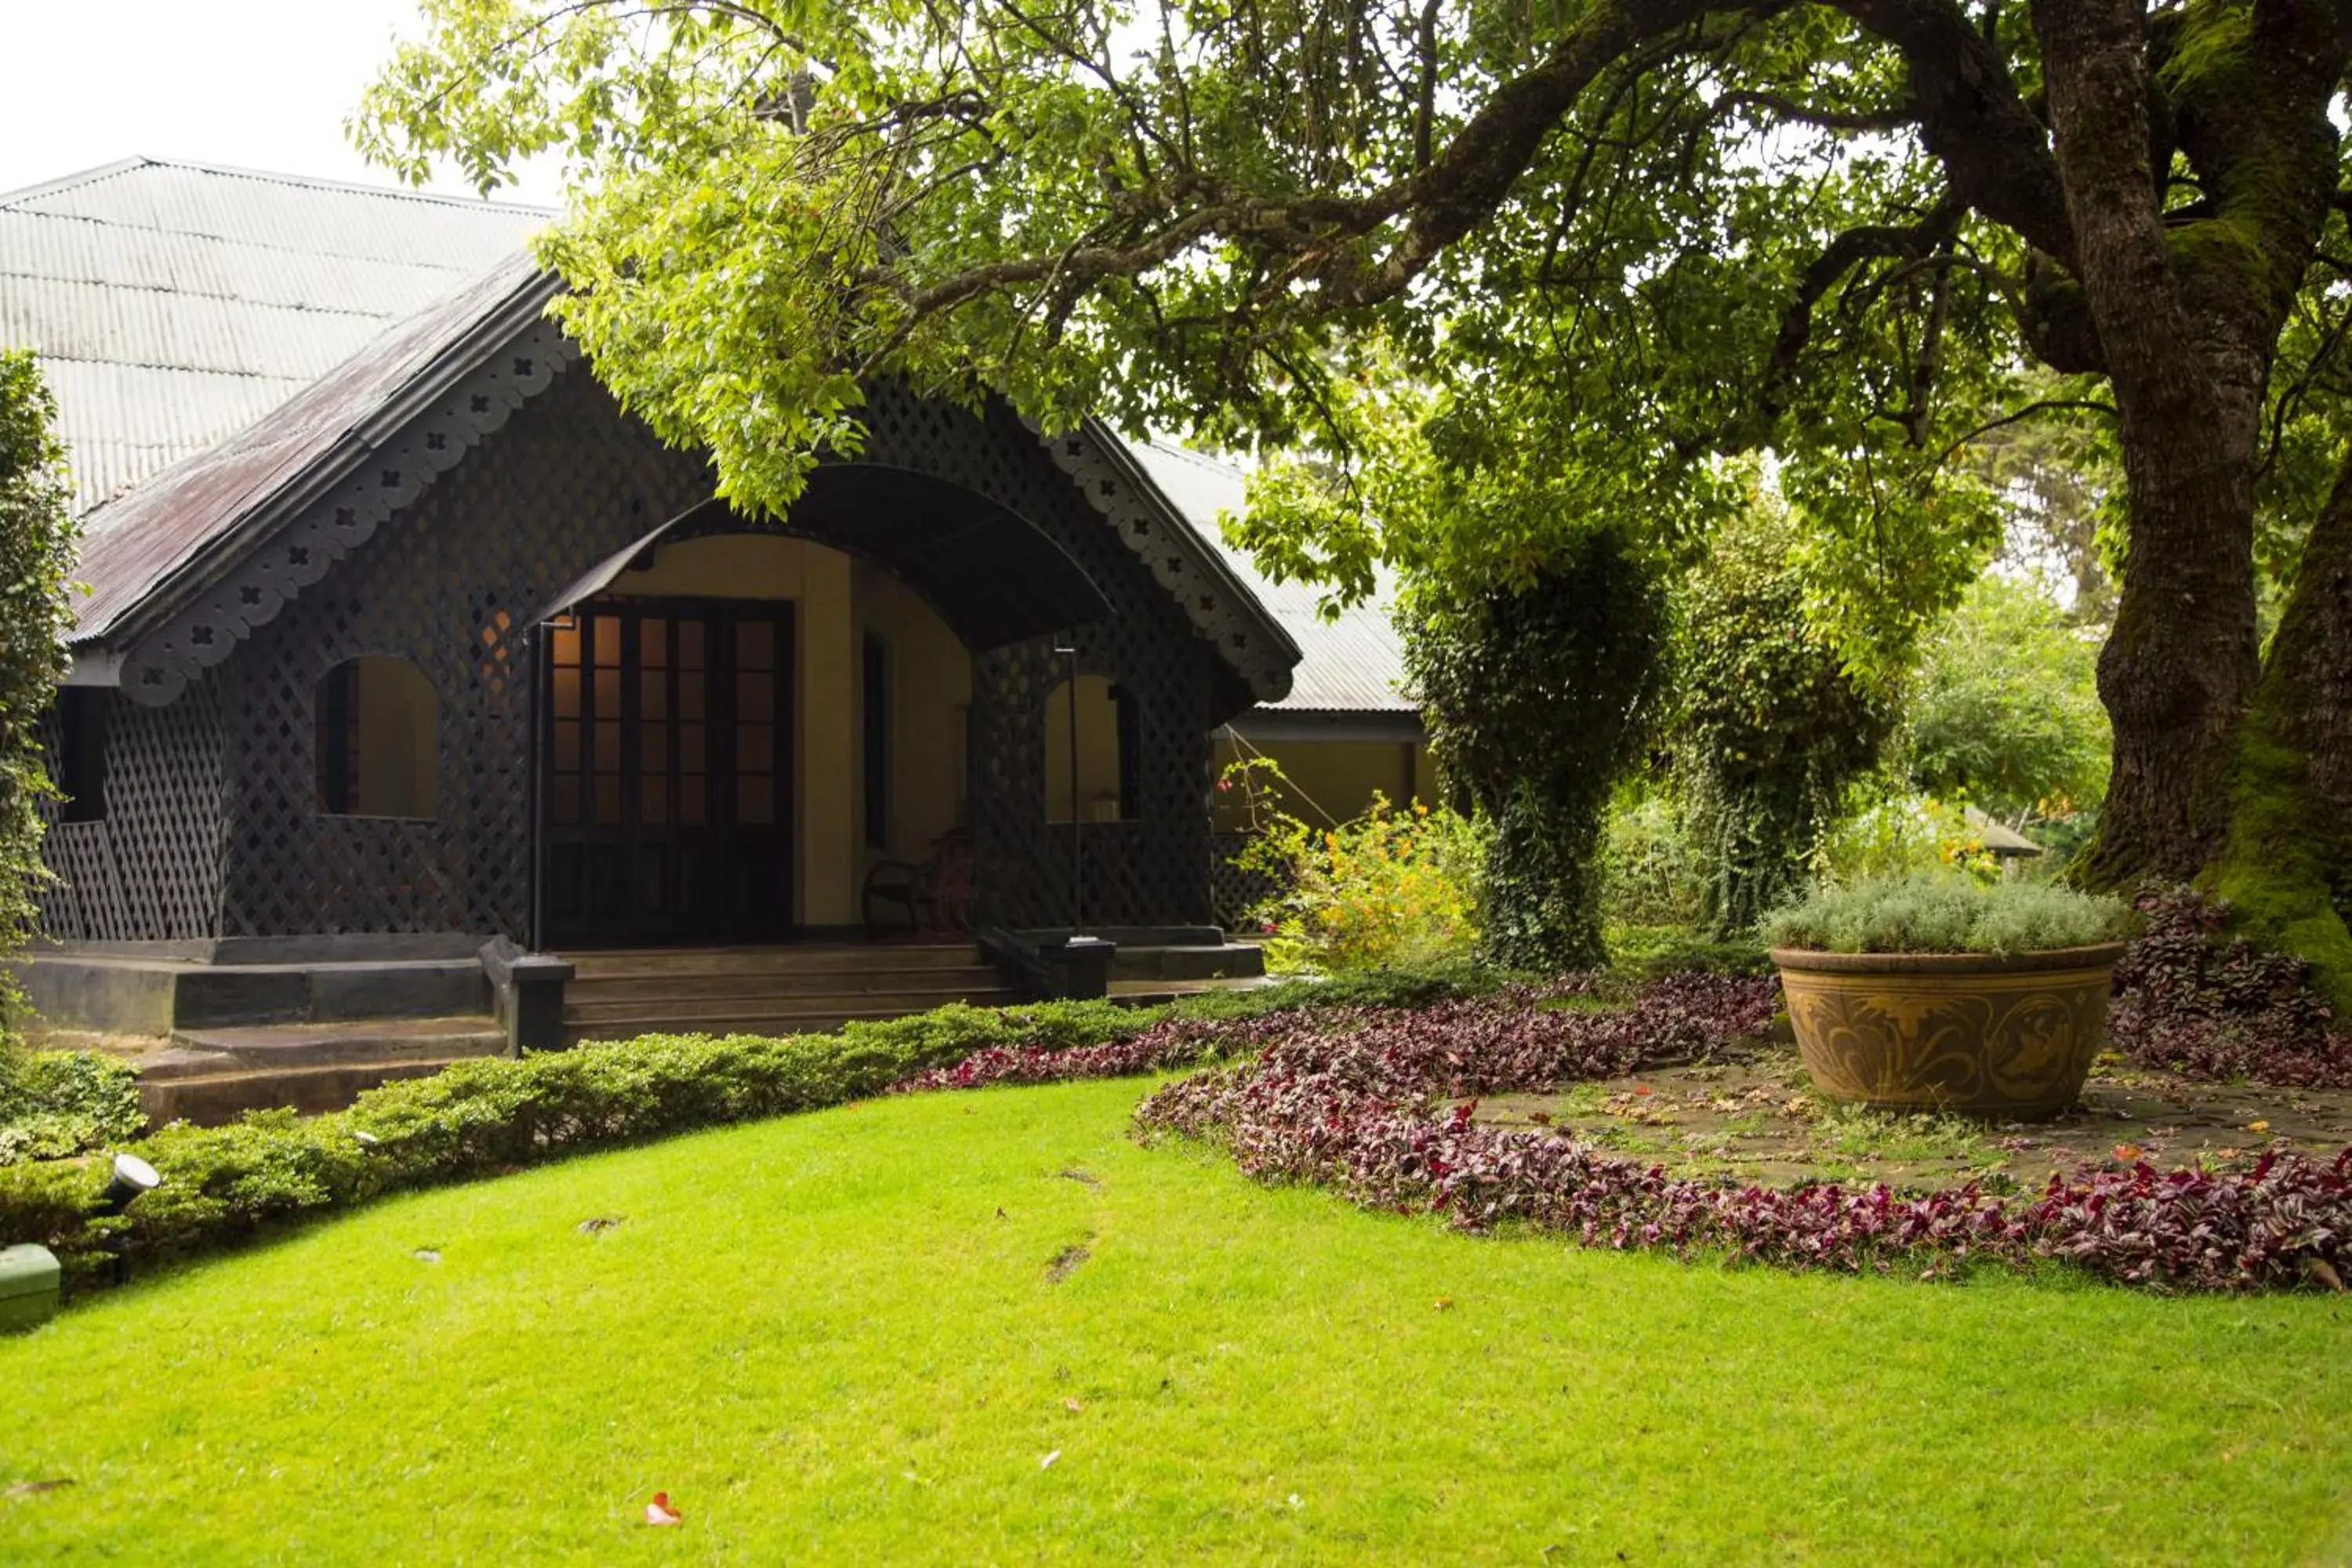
{"x": 929, "y": 704}
{"x": 1099, "y": 795}
{"x": 399, "y": 740}
{"x": 1334, "y": 780}
{"x": 838, "y": 600}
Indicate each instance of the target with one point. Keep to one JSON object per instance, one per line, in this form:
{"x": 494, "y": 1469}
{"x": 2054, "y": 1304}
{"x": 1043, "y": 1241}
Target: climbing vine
{"x": 1537, "y": 696}
{"x": 36, "y": 537}
{"x": 1768, "y": 726}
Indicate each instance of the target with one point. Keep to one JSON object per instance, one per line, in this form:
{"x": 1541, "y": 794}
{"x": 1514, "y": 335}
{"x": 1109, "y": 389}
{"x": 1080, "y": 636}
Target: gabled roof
{"x": 313, "y": 359}
{"x": 1351, "y": 665}
{"x": 173, "y": 303}
{"x": 144, "y": 563}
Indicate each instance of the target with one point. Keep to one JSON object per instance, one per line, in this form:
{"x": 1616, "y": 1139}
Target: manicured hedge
{"x": 486, "y": 1117}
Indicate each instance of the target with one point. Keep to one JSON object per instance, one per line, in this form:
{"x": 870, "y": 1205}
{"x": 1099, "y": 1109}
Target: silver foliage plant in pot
{"x": 1943, "y": 993}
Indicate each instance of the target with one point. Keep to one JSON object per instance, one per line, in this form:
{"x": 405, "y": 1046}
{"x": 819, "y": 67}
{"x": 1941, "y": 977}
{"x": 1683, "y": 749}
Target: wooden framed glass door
{"x": 666, "y": 772}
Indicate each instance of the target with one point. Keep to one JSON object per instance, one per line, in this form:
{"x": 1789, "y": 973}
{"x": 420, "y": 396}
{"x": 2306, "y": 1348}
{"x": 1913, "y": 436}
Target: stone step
{"x": 211, "y": 1099}
{"x": 752, "y": 1014}
{"x": 796, "y": 959}
{"x": 247, "y": 993}
{"x": 367, "y": 1042}
{"x": 670, "y": 985}
{"x": 1231, "y": 961}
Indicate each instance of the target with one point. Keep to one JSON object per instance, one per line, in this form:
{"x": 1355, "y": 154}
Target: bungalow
{"x": 405, "y": 649}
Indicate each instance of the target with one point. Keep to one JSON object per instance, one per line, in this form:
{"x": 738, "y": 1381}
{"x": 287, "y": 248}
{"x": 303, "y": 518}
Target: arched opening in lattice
{"x": 1103, "y": 728}
{"x": 377, "y": 726}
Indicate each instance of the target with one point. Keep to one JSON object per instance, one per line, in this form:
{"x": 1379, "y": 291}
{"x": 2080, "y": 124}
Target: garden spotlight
{"x": 133, "y": 1178}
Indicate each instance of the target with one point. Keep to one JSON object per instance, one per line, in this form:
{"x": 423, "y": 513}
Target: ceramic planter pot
{"x": 2010, "y": 1038}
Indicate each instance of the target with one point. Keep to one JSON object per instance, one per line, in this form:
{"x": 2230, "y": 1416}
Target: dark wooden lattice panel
{"x": 450, "y": 583}
{"x": 152, "y": 868}
{"x": 1155, "y": 867}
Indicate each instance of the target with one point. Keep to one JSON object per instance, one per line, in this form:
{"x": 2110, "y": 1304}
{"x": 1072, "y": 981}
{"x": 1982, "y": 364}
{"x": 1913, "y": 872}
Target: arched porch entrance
{"x": 740, "y": 722}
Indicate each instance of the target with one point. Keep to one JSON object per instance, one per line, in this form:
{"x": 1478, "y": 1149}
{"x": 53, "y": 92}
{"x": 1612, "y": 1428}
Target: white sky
{"x": 255, "y": 84}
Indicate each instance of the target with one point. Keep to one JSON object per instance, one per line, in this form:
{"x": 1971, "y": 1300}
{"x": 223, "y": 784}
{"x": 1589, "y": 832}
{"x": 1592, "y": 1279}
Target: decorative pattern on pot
{"x": 2012, "y": 1037}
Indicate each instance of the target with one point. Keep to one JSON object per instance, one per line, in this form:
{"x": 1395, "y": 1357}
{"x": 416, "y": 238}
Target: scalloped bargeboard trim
{"x": 162, "y": 665}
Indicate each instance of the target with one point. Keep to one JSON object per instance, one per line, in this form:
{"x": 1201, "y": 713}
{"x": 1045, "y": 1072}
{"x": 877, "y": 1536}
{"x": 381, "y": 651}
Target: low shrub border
{"x": 487, "y": 1117}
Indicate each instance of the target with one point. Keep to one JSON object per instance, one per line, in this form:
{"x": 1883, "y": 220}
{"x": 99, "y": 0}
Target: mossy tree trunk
{"x": 2285, "y": 862}
{"x": 2224, "y": 764}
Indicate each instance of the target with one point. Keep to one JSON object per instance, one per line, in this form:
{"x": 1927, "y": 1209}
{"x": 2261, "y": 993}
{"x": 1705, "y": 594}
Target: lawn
{"x": 838, "y": 1337}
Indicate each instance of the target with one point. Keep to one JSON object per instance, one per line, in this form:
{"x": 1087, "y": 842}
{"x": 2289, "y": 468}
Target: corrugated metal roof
{"x": 174, "y": 304}
{"x": 166, "y": 522}
{"x": 1352, "y": 664}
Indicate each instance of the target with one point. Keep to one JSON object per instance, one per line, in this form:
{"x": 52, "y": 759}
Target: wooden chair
{"x": 935, "y": 895}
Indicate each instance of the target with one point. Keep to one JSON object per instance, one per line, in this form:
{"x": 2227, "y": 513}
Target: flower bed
{"x": 1365, "y": 1101}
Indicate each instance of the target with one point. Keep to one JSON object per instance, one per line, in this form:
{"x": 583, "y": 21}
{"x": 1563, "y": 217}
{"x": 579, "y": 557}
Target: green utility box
{"x": 28, "y": 1287}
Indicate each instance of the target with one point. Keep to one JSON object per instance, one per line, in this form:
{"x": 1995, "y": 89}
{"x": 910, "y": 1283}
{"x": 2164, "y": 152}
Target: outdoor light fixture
{"x": 133, "y": 1178}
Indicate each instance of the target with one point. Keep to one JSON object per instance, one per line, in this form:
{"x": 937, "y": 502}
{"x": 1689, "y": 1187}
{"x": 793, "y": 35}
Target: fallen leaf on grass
{"x": 1048, "y": 1462}
{"x": 598, "y": 1225}
{"x": 2258, "y": 1126}
{"x": 1540, "y": 1118}
{"x": 34, "y": 1488}
{"x": 1072, "y": 1406}
{"x": 2129, "y": 1153}
{"x": 659, "y": 1512}
{"x": 1445, "y": 1303}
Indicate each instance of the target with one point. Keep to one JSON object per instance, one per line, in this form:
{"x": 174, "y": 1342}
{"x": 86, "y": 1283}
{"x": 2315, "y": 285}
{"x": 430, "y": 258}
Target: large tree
{"x": 1608, "y": 241}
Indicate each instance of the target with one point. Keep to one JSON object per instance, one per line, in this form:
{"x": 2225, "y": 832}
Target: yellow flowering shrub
{"x": 1398, "y": 885}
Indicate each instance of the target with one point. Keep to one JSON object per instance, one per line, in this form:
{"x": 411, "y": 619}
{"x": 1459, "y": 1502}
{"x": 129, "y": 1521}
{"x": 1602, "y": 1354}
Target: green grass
{"x": 832, "y": 1338}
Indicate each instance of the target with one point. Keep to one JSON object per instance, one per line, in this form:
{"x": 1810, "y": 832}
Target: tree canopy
{"x": 1600, "y": 243}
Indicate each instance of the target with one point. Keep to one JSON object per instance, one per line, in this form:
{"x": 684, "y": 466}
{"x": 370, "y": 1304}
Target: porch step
{"x": 804, "y": 988}
{"x": 212, "y": 1075}
{"x": 618, "y": 985}
{"x": 809, "y": 958}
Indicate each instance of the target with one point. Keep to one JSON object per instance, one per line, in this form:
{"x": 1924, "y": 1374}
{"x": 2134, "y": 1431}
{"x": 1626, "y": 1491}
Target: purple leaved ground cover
{"x": 1368, "y": 1101}
{"x": 2193, "y": 1000}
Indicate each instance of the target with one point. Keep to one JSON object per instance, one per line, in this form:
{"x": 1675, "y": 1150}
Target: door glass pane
{"x": 608, "y": 640}
{"x": 755, "y": 799}
{"x": 652, "y": 696}
{"x": 567, "y": 693}
{"x": 693, "y": 796}
{"x": 608, "y": 746}
{"x": 690, "y": 748}
{"x": 653, "y": 799}
{"x": 566, "y": 807}
{"x": 653, "y": 642}
{"x": 652, "y": 748}
{"x": 755, "y": 645}
{"x": 755, "y": 750}
{"x": 567, "y": 743}
{"x": 608, "y": 799}
{"x": 608, "y": 694}
{"x": 755, "y": 696}
{"x": 689, "y": 645}
{"x": 691, "y": 693}
{"x": 566, "y": 647}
